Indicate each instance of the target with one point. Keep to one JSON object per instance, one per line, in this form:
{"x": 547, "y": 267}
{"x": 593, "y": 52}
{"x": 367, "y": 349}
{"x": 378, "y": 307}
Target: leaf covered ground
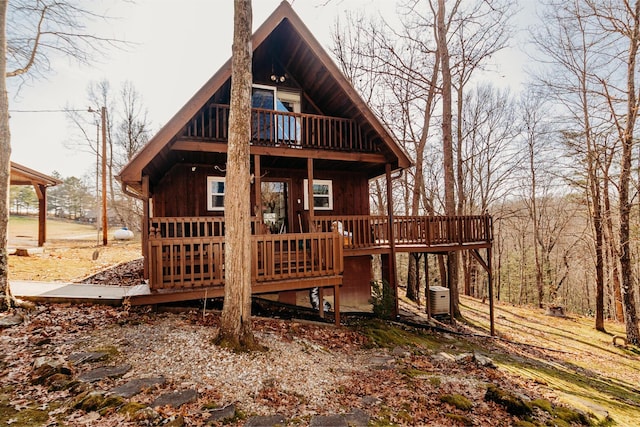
{"x": 394, "y": 373}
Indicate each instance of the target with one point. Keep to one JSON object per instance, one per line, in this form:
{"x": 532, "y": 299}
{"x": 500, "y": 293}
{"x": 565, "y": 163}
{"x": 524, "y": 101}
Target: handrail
{"x": 283, "y": 128}
{"x": 202, "y": 226}
{"x": 188, "y": 252}
{"x": 359, "y": 231}
{"x": 363, "y": 231}
{"x": 196, "y": 262}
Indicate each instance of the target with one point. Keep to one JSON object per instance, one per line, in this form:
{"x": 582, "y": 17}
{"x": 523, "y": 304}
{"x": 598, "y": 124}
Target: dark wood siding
{"x": 183, "y": 192}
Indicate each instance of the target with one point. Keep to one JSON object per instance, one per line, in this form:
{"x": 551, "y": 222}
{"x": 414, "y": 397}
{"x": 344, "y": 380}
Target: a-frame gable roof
{"x": 132, "y": 173}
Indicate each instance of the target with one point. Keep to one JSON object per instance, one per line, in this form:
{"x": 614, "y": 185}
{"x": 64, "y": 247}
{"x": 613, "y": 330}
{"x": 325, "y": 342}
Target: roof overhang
{"x": 22, "y": 175}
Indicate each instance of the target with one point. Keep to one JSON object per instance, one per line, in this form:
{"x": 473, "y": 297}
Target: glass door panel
{"x": 275, "y": 202}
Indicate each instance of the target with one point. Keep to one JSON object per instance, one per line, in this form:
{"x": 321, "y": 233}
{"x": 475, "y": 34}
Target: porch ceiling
{"x": 266, "y": 161}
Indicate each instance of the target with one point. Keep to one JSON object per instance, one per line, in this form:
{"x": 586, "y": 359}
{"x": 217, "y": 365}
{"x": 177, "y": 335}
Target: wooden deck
{"x": 367, "y": 234}
{"x": 186, "y": 254}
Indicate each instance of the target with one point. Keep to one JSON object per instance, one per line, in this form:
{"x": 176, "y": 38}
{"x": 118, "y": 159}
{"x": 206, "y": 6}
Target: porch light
{"x": 278, "y": 79}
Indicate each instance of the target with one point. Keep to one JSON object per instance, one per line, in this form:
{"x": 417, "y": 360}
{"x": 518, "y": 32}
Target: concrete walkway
{"x": 74, "y": 292}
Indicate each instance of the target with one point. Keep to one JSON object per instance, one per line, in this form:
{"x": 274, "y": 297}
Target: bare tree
{"x": 620, "y": 22}
{"x": 127, "y": 131}
{"x": 33, "y": 32}
{"x": 40, "y": 30}
{"x": 447, "y": 145}
{"x": 580, "y": 53}
{"x": 235, "y": 323}
{"x": 5, "y": 160}
{"x": 131, "y": 134}
{"x": 489, "y": 129}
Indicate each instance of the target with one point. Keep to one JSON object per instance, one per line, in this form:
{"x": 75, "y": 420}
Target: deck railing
{"x": 358, "y": 231}
{"x": 365, "y": 231}
{"x": 197, "y": 262}
{"x": 188, "y": 252}
{"x": 201, "y": 226}
{"x": 281, "y": 128}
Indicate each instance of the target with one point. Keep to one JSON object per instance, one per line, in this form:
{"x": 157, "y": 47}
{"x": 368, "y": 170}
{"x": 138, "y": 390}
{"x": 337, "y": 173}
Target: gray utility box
{"x": 439, "y": 299}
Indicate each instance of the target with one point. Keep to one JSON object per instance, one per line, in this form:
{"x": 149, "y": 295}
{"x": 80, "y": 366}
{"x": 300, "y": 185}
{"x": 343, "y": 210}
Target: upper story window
{"x": 263, "y": 97}
{"x": 276, "y": 127}
{"x": 215, "y": 193}
{"x": 270, "y": 98}
{"x": 322, "y": 194}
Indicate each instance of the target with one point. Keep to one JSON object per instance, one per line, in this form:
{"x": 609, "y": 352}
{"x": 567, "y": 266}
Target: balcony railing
{"x": 285, "y": 129}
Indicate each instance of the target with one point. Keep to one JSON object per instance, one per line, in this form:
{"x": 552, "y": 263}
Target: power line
{"x": 47, "y": 111}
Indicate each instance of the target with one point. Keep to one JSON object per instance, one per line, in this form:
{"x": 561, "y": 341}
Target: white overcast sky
{"x": 176, "y": 47}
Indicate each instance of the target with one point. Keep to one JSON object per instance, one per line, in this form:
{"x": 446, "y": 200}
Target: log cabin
{"x": 315, "y": 147}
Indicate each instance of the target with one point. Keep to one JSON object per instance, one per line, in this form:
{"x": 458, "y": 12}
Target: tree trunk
{"x": 235, "y": 326}
{"x": 534, "y": 217}
{"x": 413, "y": 288}
{"x": 613, "y": 253}
{"x": 5, "y": 156}
{"x": 447, "y": 149}
{"x": 626, "y": 270}
{"x": 597, "y": 225}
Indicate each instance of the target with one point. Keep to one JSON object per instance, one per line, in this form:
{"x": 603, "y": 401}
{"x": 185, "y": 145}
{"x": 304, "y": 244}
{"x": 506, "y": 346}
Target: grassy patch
{"x": 27, "y": 416}
{"x": 457, "y": 400}
{"x": 386, "y": 335}
{"x": 568, "y": 355}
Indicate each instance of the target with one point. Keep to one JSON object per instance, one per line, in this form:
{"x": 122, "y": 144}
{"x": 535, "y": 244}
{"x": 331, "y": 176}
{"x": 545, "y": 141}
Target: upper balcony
{"x": 271, "y": 128}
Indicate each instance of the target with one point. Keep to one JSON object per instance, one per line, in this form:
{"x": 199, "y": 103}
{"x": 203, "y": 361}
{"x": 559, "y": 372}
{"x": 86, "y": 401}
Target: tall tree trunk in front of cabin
{"x": 235, "y": 326}
{"x": 447, "y": 149}
{"x": 5, "y": 162}
{"x": 413, "y": 287}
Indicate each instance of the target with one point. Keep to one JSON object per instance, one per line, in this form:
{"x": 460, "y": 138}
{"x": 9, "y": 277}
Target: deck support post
{"x": 392, "y": 240}
{"x": 146, "y": 218}
{"x": 487, "y": 267}
{"x": 257, "y": 183}
{"x": 427, "y": 292}
{"x": 321, "y": 302}
{"x": 491, "y": 307}
{"x": 336, "y": 303}
{"x": 312, "y": 227}
{"x": 452, "y": 318}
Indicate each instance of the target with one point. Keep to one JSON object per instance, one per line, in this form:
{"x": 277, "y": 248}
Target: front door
{"x": 275, "y": 206}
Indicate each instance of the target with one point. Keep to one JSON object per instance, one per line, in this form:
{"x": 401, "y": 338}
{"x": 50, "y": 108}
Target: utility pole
{"x": 103, "y": 114}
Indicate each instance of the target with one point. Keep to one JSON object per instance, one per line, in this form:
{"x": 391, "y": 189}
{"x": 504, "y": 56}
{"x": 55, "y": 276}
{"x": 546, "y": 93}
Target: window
{"x": 322, "y": 194}
{"x": 215, "y": 193}
{"x": 263, "y": 97}
{"x": 275, "y": 127}
{"x": 289, "y": 100}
